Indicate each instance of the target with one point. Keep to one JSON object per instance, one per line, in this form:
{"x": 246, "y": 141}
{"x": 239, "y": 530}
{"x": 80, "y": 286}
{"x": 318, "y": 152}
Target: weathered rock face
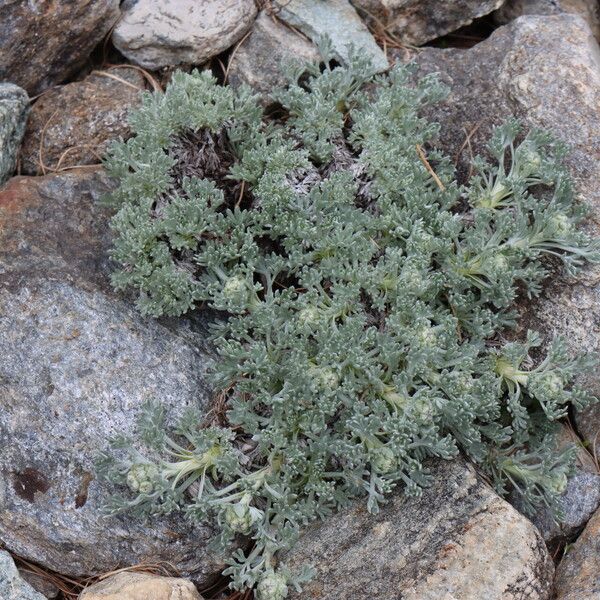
{"x": 545, "y": 71}
{"x": 459, "y": 540}
{"x": 419, "y": 21}
{"x": 42, "y": 43}
{"x": 577, "y": 575}
{"x": 336, "y": 19}
{"x": 14, "y": 108}
{"x": 76, "y": 363}
{"x": 78, "y": 120}
{"x": 139, "y": 586}
{"x": 12, "y": 586}
{"x": 260, "y": 58}
{"x": 159, "y": 33}
{"x": 588, "y": 9}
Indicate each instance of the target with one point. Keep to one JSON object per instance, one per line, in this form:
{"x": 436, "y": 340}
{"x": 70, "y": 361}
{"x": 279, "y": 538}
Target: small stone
{"x": 588, "y": 9}
{"x": 419, "y": 21}
{"x": 14, "y": 108}
{"x": 77, "y": 362}
{"x": 260, "y": 59}
{"x": 459, "y": 540}
{"x": 336, "y": 19}
{"x": 12, "y": 585}
{"x": 140, "y": 586}
{"x": 43, "y": 43}
{"x": 161, "y": 33}
{"x": 578, "y": 574}
{"x": 79, "y": 120}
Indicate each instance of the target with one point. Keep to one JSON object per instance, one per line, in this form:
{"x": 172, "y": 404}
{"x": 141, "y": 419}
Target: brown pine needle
{"x": 429, "y": 168}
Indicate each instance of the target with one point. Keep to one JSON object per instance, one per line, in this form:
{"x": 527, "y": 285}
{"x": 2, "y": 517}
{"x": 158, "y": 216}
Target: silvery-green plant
{"x": 362, "y": 303}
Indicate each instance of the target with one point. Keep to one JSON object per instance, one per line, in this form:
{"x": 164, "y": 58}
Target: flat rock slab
{"x": 14, "y": 108}
{"x": 73, "y": 124}
{"x": 259, "y": 61}
{"x": 419, "y": 21}
{"x": 578, "y": 574}
{"x": 12, "y": 586}
{"x": 42, "y": 43}
{"x": 160, "y": 33}
{"x": 338, "y": 20}
{"x": 76, "y": 364}
{"x": 459, "y": 540}
{"x": 140, "y": 586}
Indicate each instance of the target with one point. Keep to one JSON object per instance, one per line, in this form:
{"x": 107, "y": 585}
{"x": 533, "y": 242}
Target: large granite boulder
{"x": 76, "y": 363}
{"x": 159, "y": 33}
{"x": 43, "y": 43}
{"x": 459, "y": 540}
{"x": 578, "y": 574}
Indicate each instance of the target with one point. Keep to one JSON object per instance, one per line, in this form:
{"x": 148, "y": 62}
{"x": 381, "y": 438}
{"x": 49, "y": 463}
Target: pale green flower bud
{"x": 140, "y": 478}
{"x": 561, "y": 223}
{"x": 272, "y": 587}
{"x": 241, "y": 516}
{"x": 236, "y": 289}
{"x": 549, "y": 385}
{"x": 426, "y": 337}
{"x": 558, "y": 483}
{"x": 383, "y": 460}
{"x": 309, "y": 315}
{"x": 529, "y": 161}
{"x": 324, "y": 378}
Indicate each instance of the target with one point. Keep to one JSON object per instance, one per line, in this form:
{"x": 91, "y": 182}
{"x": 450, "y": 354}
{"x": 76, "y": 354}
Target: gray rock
{"x": 588, "y": 9}
{"x": 578, "y": 574}
{"x": 12, "y": 586}
{"x": 459, "y": 540}
{"x": 546, "y": 71}
{"x": 76, "y": 363}
{"x": 579, "y": 502}
{"x": 93, "y": 112}
{"x": 336, "y": 19}
{"x": 260, "y": 59}
{"x": 419, "y": 21}
{"x": 14, "y": 108}
{"x": 42, "y": 43}
{"x": 160, "y": 33}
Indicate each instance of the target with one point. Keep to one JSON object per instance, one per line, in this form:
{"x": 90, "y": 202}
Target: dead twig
{"x": 233, "y": 53}
{"x": 467, "y": 141}
{"x": 43, "y": 167}
{"x": 117, "y": 78}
